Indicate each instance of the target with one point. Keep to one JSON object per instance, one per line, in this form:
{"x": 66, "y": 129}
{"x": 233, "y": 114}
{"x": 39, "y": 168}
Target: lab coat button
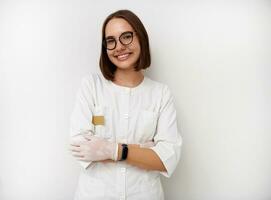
{"x": 122, "y": 169}
{"x": 127, "y": 90}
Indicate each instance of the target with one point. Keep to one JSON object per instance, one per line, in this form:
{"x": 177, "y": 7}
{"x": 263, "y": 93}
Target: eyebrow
{"x": 109, "y": 37}
{"x": 112, "y": 37}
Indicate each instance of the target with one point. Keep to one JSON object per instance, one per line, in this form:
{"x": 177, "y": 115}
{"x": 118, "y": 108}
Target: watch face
{"x": 124, "y": 151}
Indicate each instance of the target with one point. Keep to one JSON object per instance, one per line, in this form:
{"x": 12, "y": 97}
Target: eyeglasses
{"x": 125, "y": 38}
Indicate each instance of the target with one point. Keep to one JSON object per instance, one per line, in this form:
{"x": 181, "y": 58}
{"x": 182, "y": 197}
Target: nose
{"x": 119, "y": 46}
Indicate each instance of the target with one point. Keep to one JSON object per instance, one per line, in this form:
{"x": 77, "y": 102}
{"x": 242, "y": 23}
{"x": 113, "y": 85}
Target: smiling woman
{"x": 124, "y": 127}
{"x": 125, "y": 52}
{"x": 124, "y": 36}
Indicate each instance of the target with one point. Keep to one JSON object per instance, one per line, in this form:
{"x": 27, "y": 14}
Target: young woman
{"x": 123, "y": 127}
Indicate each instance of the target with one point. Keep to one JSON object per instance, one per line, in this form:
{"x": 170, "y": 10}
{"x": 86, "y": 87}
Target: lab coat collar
{"x": 129, "y": 90}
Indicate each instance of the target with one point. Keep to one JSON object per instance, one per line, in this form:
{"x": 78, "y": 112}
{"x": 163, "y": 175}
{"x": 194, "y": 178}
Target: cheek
{"x": 110, "y": 55}
{"x": 137, "y": 47}
{"x": 137, "y": 51}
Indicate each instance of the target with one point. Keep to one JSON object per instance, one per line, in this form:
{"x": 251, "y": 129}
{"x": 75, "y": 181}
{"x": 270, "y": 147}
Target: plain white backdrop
{"x": 214, "y": 55}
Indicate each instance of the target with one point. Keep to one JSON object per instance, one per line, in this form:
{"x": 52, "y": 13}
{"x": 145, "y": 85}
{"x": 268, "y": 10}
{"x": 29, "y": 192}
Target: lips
{"x": 123, "y": 56}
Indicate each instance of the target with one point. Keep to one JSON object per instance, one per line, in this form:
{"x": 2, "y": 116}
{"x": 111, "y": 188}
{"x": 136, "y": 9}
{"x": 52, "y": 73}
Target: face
{"x": 124, "y": 56}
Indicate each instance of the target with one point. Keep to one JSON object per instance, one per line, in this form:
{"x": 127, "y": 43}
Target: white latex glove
{"x": 94, "y": 149}
{"x": 81, "y": 138}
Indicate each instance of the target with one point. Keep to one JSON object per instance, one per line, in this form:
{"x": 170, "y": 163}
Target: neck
{"x": 128, "y": 78}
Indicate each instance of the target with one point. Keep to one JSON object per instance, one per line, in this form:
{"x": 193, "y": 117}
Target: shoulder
{"x": 157, "y": 86}
{"x": 92, "y": 79}
{"x": 162, "y": 92}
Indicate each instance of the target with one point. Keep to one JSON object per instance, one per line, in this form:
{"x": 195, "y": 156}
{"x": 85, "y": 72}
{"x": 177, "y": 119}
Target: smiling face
{"x": 124, "y": 57}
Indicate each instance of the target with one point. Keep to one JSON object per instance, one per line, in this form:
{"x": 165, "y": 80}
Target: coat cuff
{"x": 169, "y": 154}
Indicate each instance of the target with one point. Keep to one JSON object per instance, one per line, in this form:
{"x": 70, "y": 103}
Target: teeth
{"x": 123, "y": 57}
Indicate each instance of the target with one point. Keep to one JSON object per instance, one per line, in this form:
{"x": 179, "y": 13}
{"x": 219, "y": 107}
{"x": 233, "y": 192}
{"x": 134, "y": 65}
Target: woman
{"x": 123, "y": 127}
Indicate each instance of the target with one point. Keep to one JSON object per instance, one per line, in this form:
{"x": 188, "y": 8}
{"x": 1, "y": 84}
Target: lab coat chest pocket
{"x": 147, "y": 125}
{"x": 102, "y": 121}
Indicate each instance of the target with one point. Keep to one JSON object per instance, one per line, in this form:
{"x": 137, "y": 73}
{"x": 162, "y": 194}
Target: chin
{"x": 124, "y": 65}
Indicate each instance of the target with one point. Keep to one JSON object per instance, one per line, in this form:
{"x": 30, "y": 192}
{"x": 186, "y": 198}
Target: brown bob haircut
{"x": 107, "y": 67}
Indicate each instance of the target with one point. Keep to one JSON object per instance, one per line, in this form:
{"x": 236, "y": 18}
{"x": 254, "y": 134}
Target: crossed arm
{"x": 144, "y": 158}
{"x": 100, "y": 150}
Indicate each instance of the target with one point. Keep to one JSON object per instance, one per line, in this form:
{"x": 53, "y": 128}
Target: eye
{"x": 127, "y": 36}
{"x": 110, "y": 41}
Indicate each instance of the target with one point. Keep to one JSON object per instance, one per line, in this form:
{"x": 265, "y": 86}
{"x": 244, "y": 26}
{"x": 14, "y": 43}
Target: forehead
{"x": 116, "y": 26}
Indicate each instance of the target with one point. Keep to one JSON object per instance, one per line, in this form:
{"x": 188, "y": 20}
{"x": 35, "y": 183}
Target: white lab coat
{"x": 134, "y": 116}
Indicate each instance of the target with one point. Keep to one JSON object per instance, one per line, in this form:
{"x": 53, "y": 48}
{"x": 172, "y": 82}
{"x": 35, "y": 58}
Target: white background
{"x": 214, "y": 55}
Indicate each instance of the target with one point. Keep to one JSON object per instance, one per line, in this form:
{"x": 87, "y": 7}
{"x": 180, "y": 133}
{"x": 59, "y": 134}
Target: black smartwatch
{"x": 124, "y": 152}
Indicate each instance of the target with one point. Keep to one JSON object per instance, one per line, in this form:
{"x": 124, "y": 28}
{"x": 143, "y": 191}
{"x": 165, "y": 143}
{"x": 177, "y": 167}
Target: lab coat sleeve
{"x": 80, "y": 119}
{"x": 167, "y": 138}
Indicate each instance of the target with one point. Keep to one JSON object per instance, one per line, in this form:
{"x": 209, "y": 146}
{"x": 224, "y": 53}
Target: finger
{"x": 82, "y": 159}
{"x": 77, "y": 155}
{"x": 96, "y": 138}
{"x": 74, "y": 148}
{"x": 75, "y": 143}
{"x": 88, "y": 136}
{"x": 92, "y": 137}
